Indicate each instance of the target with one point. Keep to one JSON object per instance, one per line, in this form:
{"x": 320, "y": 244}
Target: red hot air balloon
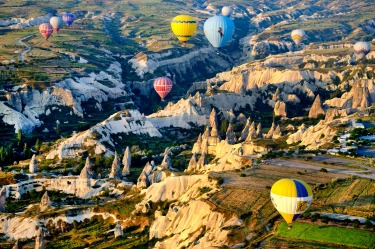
{"x": 163, "y": 86}
{"x": 46, "y": 30}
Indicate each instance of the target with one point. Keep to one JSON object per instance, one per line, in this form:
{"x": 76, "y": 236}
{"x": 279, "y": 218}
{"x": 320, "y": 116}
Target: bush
{"x": 315, "y": 217}
{"x": 324, "y": 170}
{"x": 204, "y": 190}
{"x": 242, "y": 175}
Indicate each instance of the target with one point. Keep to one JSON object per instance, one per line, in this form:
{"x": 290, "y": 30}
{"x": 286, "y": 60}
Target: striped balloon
{"x": 183, "y": 27}
{"x": 361, "y": 49}
{"x": 291, "y": 197}
{"x": 68, "y": 18}
{"x": 163, "y": 86}
{"x": 298, "y": 35}
{"x": 46, "y": 30}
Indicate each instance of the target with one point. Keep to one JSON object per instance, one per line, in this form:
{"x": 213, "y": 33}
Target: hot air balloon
{"x": 298, "y": 35}
{"x": 291, "y": 197}
{"x": 226, "y": 11}
{"x": 68, "y": 18}
{"x": 218, "y": 30}
{"x": 361, "y": 49}
{"x": 46, "y": 30}
{"x": 56, "y": 23}
{"x": 183, "y": 27}
{"x": 163, "y": 86}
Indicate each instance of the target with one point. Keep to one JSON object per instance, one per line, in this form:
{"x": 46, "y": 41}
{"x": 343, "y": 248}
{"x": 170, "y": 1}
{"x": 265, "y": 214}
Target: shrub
{"x": 242, "y": 175}
{"x": 324, "y": 170}
{"x": 204, "y": 190}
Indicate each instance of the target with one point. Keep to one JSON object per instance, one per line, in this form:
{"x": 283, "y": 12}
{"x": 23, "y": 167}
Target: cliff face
{"x": 24, "y": 105}
{"x": 117, "y": 124}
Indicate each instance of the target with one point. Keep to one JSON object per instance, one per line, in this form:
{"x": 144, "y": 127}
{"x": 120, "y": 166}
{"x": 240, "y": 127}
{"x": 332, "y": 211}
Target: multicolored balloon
{"x": 298, "y": 35}
{"x": 68, "y": 18}
{"x": 163, "y": 86}
{"x": 291, "y": 197}
{"x": 56, "y": 22}
{"x": 183, "y": 27}
{"x": 226, "y": 11}
{"x": 218, "y": 30}
{"x": 46, "y": 30}
{"x": 361, "y": 49}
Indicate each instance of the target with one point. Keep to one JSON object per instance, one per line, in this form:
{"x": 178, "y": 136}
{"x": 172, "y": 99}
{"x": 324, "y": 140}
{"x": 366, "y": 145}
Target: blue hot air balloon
{"x": 218, "y": 30}
{"x": 68, "y": 18}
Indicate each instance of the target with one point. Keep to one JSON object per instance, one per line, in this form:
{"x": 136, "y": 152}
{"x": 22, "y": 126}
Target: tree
{"x": 37, "y": 145}
{"x": 19, "y": 136}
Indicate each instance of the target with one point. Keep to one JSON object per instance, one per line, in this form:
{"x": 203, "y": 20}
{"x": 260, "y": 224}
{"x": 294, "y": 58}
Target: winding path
{"x": 23, "y": 52}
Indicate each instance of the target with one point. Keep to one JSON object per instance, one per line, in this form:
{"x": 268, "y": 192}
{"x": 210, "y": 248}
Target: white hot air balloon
{"x": 361, "y": 49}
{"x": 298, "y": 35}
{"x": 226, "y": 11}
{"x": 56, "y": 22}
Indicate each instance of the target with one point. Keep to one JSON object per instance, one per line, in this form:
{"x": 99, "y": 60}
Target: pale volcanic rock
{"x": 94, "y": 137}
{"x": 333, "y": 113}
{"x": 116, "y": 168}
{"x": 118, "y": 230}
{"x": 183, "y": 228}
{"x": 280, "y": 109}
{"x": 230, "y": 135}
{"x": 17, "y": 245}
{"x": 126, "y": 162}
{"x": 45, "y": 202}
{"x": 86, "y": 172}
{"x": 33, "y": 165}
{"x": 241, "y": 118}
{"x": 314, "y": 136}
{"x": 167, "y": 161}
{"x": 197, "y": 145}
{"x": 3, "y": 199}
{"x": 18, "y": 120}
{"x": 245, "y": 130}
{"x": 202, "y": 161}
{"x": 316, "y": 108}
{"x": 213, "y": 123}
{"x": 277, "y": 132}
{"x": 192, "y": 163}
{"x": 258, "y": 132}
{"x": 270, "y": 132}
{"x": 39, "y": 240}
{"x": 276, "y": 96}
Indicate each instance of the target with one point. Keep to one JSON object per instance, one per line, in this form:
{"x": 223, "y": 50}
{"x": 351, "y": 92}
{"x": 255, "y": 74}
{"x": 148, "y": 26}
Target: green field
{"x": 337, "y": 235}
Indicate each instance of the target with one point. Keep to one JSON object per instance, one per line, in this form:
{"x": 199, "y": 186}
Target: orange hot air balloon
{"x": 46, "y": 30}
{"x": 163, "y": 86}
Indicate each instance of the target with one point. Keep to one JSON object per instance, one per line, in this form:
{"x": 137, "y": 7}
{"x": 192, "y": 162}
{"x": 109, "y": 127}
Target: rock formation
{"x": 333, "y": 113}
{"x": 198, "y": 144}
{"x": 126, "y": 162}
{"x": 118, "y": 230}
{"x": 230, "y": 135}
{"x": 192, "y": 163}
{"x": 280, "y": 109}
{"x": 142, "y": 181}
{"x": 33, "y": 166}
{"x": 86, "y": 172}
{"x": 206, "y": 133}
{"x": 270, "y": 132}
{"x": 259, "y": 130}
{"x": 241, "y": 118}
{"x": 39, "y": 240}
{"x": 252, "y": 132}
{"x": 316, "y": 108}
{"x": 116, "y": 168}
{"x": 276, "y": 96}
{"x": 245, "y": 130}
{"x": 167, "y": 161}
{"x": 214, "y": 124}
{"x": 202, "y": 161}
{"x": 45, "y": 202}
{"x": 3, "y": 199}
{"x": 277, "y": 132}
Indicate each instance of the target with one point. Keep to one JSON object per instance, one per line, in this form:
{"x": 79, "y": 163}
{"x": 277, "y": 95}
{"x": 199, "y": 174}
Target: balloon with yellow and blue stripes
{"x": 291, "y": 197}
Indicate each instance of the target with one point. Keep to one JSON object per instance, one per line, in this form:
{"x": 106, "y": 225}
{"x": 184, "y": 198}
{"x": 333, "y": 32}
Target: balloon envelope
{"x": 226, "y": 11}
{"x": 291, "y": 197}
{"x": 361, "y": 49}
{"x": 46, "y": 30}
{"x": 183, "y": 27}
{"x": 163, "y": 86}
{"x": 218, "y": 30}
{"x": 298, "y": 35}
{"x": 68, "y": 18}
{"x": 56, "y": 22}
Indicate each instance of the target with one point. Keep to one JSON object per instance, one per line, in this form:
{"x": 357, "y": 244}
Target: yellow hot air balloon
{"x": 183, "y": 27}
{"x": 291, "y": 197}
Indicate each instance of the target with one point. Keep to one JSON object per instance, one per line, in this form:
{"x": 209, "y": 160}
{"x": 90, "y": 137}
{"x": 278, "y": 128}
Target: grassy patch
{"x": 338, "y": 235}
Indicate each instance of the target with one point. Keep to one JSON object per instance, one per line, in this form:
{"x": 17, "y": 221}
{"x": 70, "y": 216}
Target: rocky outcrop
{"x": 316, "y": 108}
{"x": 314, "y": 136}
{"x": 33, "y": 165}
{"x": 276, "y": 96}
{"x": 45, "y": 202}
{"x": 280, "y": 109}
{"x": 269, "y": 135}
{"x": 202, "y": 161}
{"x": 86, "y": 172}
{"x": 17, "y": 245}
{"x": 118, "y": 230}
{"x": 277, "y": 133}
{"x": 3, "y": 199}
{"x": 39, "y": 240}
{"x": 230, "y": 135}
{"x": 214, "y": 124}
{"x": 167, "y": 161}
{"x": 258, "y": 132}
{"x": 123, "y": 122}
{"x": 116, "y": 168}
{"x": 198, "y": 144}
{"x": 126, "y": 162}
{"x": 245, "y": 130}
{"x": 252, "y": 132}
{"x": 333, "y": 113}
{"x": 192, "y": 163}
